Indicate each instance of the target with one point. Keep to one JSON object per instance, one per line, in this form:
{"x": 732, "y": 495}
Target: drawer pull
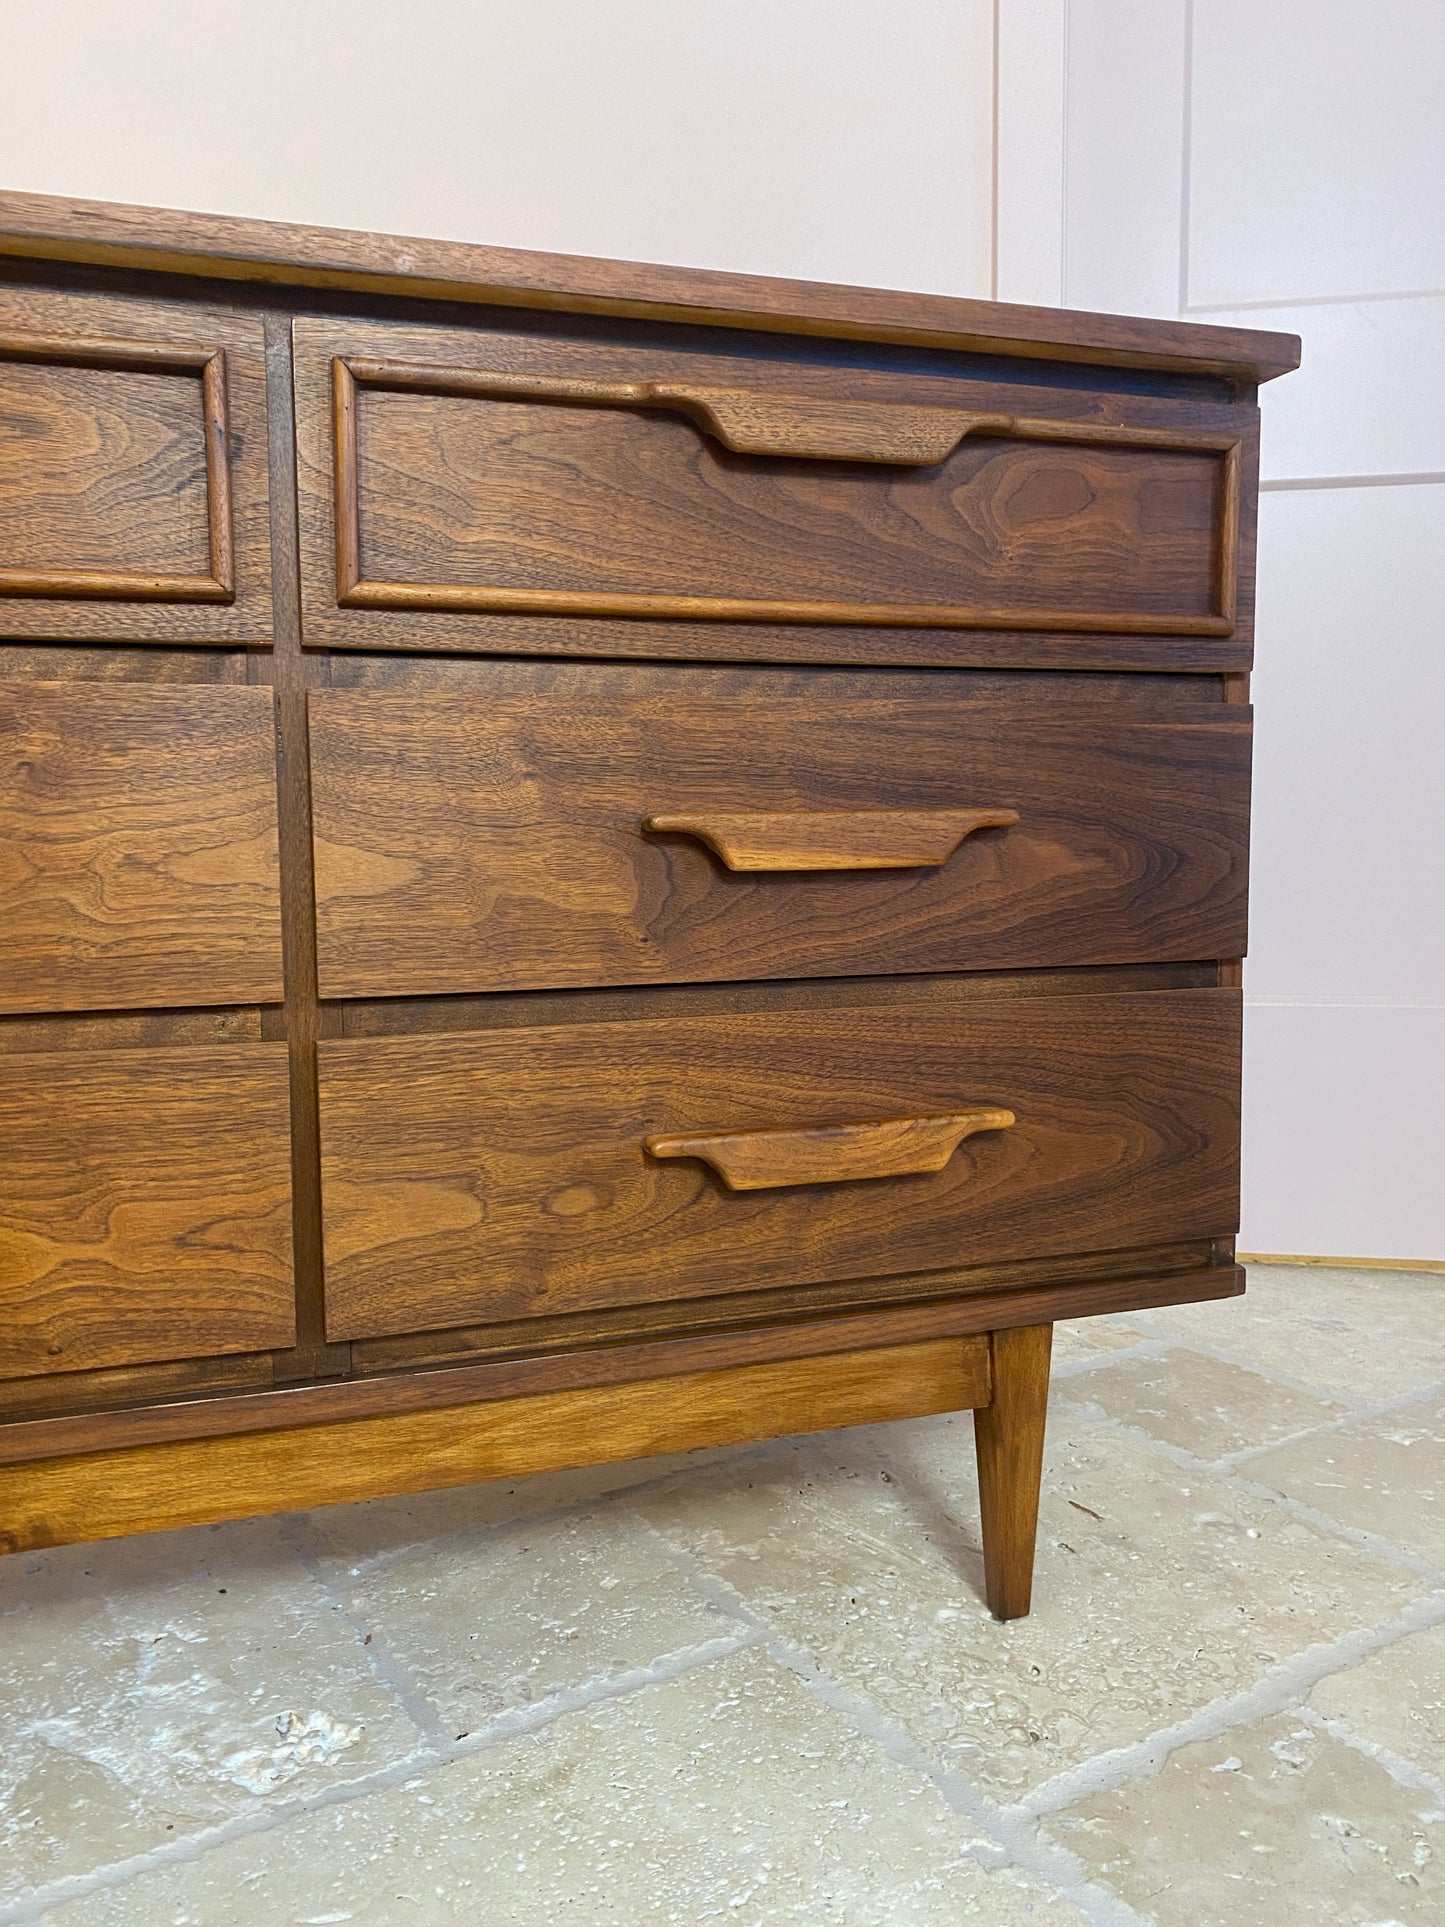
{"x": 744, "y": 420}
{"x": 889, "y": 1147}
{"x": 832, "y": 839}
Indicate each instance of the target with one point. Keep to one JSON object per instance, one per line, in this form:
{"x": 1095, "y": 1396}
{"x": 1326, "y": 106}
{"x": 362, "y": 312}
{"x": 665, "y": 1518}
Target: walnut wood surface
{"x": 1009, "y": 1438}
{"x": 493, "y": 1175}
{"x": 153, "y": 1487}
{"x": 57, "y": 519}
{"x": 145, "y": 1206}
{"x": 489, "y": 1199}
{"x": 830, "y": 1154}
{"x": 832, "y": 839}
{"x": 460, "y": 489}
{"x": 138, "y": 831}
{"x": 1077, "y": 513}
{"x": 64, "y": 229}
{"x": 475, "y": 842}
{"x": 133, "y": 499}
{"x": 172, "y": 1414}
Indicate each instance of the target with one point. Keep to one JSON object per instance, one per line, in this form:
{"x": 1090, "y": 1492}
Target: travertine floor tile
{"x": 1091, "y": 1339}
{"x": 500, "y": 1619}
{"x": 1271, "y": 1825}
{"x": 1157, "y": 1591}
{"x": 728, "y": 1794}
{"x": 375, "y": 1527}
{"x": 1199, "y": 1403}
{"x": 149, "y": 1686}
{"x": 1396, "y": 1699}
{"x": 1359, "y": 1336}
{"x": 1385, "y": 1475}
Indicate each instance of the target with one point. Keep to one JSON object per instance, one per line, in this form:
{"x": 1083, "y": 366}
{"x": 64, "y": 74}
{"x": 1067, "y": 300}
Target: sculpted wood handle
{"x": 832, "y": 839}
{"x": 745, "y": 420}
{"x": 889, "y": 1147}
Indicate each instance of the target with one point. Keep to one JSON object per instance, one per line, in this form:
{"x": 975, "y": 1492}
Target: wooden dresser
{"x": 594, "y": 859}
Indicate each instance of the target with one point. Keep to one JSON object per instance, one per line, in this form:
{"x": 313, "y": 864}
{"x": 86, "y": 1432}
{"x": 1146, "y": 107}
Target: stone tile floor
{"x": 759, "y": 1685}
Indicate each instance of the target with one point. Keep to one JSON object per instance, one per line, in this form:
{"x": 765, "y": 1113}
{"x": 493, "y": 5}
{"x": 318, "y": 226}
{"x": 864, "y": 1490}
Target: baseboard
{"x": 1345, "y": 1264}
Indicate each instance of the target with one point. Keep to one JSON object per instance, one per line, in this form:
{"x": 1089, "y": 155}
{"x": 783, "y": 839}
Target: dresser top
{"x": 56, "y": 228}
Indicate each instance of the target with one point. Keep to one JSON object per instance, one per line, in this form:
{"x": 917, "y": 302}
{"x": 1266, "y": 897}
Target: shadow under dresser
{"x": 594, "y": 859}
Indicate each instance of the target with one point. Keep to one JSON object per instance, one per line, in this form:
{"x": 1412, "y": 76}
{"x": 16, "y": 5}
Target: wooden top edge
{"x": 57, "y": 228}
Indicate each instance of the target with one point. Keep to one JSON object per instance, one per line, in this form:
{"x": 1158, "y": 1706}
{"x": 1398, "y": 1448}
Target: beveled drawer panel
{"x": 138, "y": 847}
{"x": 133, "y": 497}
{"x": 468, "y": 477}
{"x": 475, "y": 842}
{"x": 145, "y": 1206}
{"x": 475, "y": 1176}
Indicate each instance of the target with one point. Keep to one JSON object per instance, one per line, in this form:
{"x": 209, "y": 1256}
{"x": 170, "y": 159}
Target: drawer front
{"x": 138, "y": 853}
{"x": 133, "y": 484}
{"x": 474, "y": 843}
{"x": 484, "y": 476}
{"x": 145, "y": 1207}
{"x": 505, "y": 1174}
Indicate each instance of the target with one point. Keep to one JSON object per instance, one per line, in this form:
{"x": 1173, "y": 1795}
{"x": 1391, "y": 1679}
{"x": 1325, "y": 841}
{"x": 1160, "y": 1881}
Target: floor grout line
{"x": 1279, "y": 1690}
{"x": 1010, "y": 1840}
{"x": 514, "y": 1723}
{"x": 1245, "y": 1362}
{"x": 1386, "y": 1408}
{"x": 1403, "y": 1771}
{"x": 1323, "y": 1522}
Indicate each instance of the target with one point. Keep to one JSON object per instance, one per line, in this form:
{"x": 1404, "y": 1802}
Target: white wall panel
{"x": 826, "y": 138}
{"x": 1317, "y": 149}
{"x": 1032, "y": 64}
{"x": 1348, "y": 871}
{"x": 1344, "y": 1119}
{"x": 1369, "y": 395}
{"x": 1124, "y": 156}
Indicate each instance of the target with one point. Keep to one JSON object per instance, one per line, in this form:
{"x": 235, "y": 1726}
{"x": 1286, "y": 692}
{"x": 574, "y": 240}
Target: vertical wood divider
{"x": 302, "y": 1020}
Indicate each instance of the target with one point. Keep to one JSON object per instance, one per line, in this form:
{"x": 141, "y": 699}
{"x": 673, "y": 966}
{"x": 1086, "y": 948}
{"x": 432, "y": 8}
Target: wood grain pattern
{"x": 501, "y": 1174}
{"x": 64, "y": 229}
{"x": 138, "y": 855}
{"x": 830, "y": 1154}
{"x": 151, "y": 1488}
{"x": 467, "y": 842}
{"x": 132, "y": 502}
{"x": 81, "y": 448}
{"x": 1009, "y": 1439}
{"x": 1195, "y": 1267}
{"x": 555, "y": 518}
{"x": 145, "y": 1208}
{"x": 588, "y": 510}
{"x": 175, "y": 1413}
{"x": 832, "y": 839}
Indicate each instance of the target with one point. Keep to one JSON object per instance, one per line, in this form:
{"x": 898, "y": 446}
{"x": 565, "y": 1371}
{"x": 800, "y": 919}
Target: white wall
{"x": 833, "y": 139}
{"x": 1281, "y": 164}
{"x": 1276, "y": 162}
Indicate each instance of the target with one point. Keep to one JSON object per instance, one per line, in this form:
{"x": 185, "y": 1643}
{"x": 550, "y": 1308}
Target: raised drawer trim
{"x": 156, "y": 358}
{"x": 354, "y": 591}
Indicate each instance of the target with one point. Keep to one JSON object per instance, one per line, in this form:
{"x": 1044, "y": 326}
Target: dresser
{"x": 594, "y": 860}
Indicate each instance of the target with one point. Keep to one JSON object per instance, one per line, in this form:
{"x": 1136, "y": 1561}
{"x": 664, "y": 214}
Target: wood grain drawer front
{"x": 481, "y": 475}
{"x": 476, "y": 1176}
{"x": 132, "y": 470}
{"x": 138, "y": 852}
{"x": 145, "y": 1207}
{"x": 474, "y": 844}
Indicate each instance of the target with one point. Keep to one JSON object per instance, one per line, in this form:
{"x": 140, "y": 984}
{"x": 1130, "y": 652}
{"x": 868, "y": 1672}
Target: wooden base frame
{"x": 1001, "y": 1376}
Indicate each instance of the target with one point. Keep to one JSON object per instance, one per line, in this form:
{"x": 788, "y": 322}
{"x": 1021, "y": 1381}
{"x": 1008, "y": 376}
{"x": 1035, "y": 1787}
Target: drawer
{"x": 481, "y": 1176}
{"x": 472, "y": 479}
{"x": 133, "y": 470}
{"x": 138, "y": 855}
{"x": 145, "y": 1207}
{"x": 476, "y": 842}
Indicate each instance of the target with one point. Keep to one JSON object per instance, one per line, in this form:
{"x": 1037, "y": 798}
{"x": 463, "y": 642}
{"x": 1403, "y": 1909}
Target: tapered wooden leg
{"x": 1009, "y": 1437}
